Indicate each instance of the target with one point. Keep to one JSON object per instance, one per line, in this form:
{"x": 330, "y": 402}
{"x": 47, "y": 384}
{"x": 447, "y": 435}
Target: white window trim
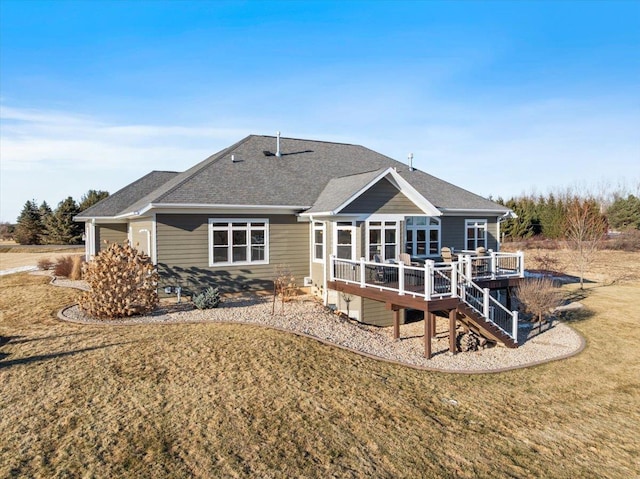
{"x": 428, "y": 227}
{"x": 475, "y": 223}
{"x": 352, "y": 227}
{"x": 322, "y": 225}
{"x": 229, "y": 222}
{"x": 382, "y": 227}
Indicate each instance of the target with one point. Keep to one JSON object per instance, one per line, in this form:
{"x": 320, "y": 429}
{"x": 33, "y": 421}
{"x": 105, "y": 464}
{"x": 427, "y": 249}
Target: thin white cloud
{"x": 61, "y": 153}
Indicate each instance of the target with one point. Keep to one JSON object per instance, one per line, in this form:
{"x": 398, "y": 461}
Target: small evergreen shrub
{"x": 45, "y": 264}
{"x": 209, "y": 298}
{"x": 63, "y": 266}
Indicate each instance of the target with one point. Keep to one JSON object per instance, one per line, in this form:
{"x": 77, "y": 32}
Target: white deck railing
{"x": 440, "y": 280}
{"x": 493, "y": 265}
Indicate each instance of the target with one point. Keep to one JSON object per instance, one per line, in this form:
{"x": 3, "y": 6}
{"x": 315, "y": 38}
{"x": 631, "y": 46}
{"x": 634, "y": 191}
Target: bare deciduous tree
{"x": 539, "y": 296}
{"x": 284, "y": 284}
{"x": 585, "y": 229}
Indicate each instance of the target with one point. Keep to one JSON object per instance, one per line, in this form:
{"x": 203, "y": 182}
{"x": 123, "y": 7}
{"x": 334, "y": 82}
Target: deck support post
{"x": 396, "y": 324}
{"x": 432, "y": 318}
{"x": 427, "y": 335}
{"x": 452, "y": 330}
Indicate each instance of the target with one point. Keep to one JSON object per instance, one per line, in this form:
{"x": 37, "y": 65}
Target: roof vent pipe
{"x": 410, "y": 161}
{"x": 278, "y": 154}
{"x": 233, "y": 158}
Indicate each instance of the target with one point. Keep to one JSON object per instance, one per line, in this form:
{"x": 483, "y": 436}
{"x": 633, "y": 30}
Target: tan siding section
{"x": 376, "y": 313}
{"x": 139, "y": 238}
{"x": 113, "y": 233}
{"x": 385, "y": 198}
{"x": 183, "y": 253}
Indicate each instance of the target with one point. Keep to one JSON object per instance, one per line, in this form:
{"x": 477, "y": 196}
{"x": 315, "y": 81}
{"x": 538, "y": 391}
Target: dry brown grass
{"x": 15, "y": 259}
{"x": 213, "y": 400}
{"x": 608, "y": 265}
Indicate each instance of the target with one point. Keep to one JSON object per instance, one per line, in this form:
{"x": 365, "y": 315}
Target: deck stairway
{"x": 450, "y": 285}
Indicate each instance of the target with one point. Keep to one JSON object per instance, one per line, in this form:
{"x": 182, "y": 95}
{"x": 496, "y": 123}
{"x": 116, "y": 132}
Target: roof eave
{"x": 473, "y": 211}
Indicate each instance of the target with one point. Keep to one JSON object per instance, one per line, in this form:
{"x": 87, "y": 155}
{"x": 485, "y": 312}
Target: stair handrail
{"x": 487, "y": 301}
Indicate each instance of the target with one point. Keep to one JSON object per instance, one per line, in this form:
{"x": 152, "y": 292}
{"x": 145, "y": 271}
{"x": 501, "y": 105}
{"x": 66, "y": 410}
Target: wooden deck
{"x": 453, "y": 307}
{"x": 394, "y": 299}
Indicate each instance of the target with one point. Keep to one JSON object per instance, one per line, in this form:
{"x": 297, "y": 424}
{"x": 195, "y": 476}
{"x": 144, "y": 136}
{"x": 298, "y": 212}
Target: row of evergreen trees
{"x": 42, "y": 225}
{"x": 546, "y": 215}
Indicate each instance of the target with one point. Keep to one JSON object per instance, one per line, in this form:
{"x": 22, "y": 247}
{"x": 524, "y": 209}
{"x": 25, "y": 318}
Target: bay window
{"x": 318, "y": 241}
{"x": 382, "y": 240}
{"x": 422, "y": 236}
{"x": 344, "y": 240}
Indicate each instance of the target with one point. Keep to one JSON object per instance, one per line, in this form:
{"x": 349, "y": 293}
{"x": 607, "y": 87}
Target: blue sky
{"x": 501, "y": 98}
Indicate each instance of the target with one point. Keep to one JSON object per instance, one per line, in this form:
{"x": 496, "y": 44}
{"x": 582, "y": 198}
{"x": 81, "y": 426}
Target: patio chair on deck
{"x": 379, "y": 276}
{"x": 446, "y": 254}
{"x": 405, "y": 258}
{"x": 480, "y": 266}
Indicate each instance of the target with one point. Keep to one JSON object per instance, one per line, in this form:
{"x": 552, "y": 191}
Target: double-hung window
{"x": 345, "y": 240}
{"x": 238, "y": 241}
{"x": 382, "y": 240}
{"x": 475, "y": 234}
{"x": 422, "y": 236}
{"x": 318, "y": 241}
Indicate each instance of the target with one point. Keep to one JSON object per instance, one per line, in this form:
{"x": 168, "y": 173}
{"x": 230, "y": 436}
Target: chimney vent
{"x": 410, "y": 161}
{"x": 278, "y": 154}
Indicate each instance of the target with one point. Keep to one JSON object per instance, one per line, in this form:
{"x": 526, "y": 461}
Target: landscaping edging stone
{"x": 308, "y": 319}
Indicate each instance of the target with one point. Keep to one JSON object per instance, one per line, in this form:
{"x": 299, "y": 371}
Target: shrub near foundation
{"x": 123, "y": 283}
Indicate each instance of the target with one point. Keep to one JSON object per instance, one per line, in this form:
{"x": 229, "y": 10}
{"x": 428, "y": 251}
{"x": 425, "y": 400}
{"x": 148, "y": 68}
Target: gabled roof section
{"x": 118, "y": 202}
{"x": 308, "y": 173}
{"x": 341, "y": 192}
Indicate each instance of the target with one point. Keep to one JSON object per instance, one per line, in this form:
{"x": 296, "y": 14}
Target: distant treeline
{"x": 42, "y": 225}
{"x": 546, "y": 216}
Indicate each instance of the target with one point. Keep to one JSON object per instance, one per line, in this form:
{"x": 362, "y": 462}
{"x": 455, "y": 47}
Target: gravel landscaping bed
{"x": 304, "y": 315}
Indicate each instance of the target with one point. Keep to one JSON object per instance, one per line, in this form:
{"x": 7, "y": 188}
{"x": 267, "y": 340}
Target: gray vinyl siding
{"x": 112, "y": 233}
{"x": 376, "y": 313}
{"x": 139, "y": 238}
{"x": 453, "y": 231}
{"x": 183, "y": 253}
{"x": 385, "y": 198}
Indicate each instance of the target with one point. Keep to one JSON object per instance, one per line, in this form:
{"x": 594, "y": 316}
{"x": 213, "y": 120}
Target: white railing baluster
{"x": 485, "y": 303}
{"x": 514, "y": 326}
{"x": 494, "y": 264}
{"x": 454, "y": 279}
{"x": 428, "y": 279}
{"x": 521, "y": 263}
{"x": 363, "y": 273}
{"x": 332, "y": 263}
{"x": 401, "y": 278}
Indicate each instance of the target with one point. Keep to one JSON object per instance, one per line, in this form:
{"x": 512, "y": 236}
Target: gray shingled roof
{"x": 297, "y": 178}
{"x": 120, "y": 201}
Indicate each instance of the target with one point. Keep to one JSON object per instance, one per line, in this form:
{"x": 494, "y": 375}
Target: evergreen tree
{"x": 524, "y": 225}
{"x": 91, "y": 198}
{"x": 45, "y": 215}
{"x": 29, "y": 229}
{"x": 624, "y": 213}
{"x": 61, "y": 227}
{"x": 551, "y": 215}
